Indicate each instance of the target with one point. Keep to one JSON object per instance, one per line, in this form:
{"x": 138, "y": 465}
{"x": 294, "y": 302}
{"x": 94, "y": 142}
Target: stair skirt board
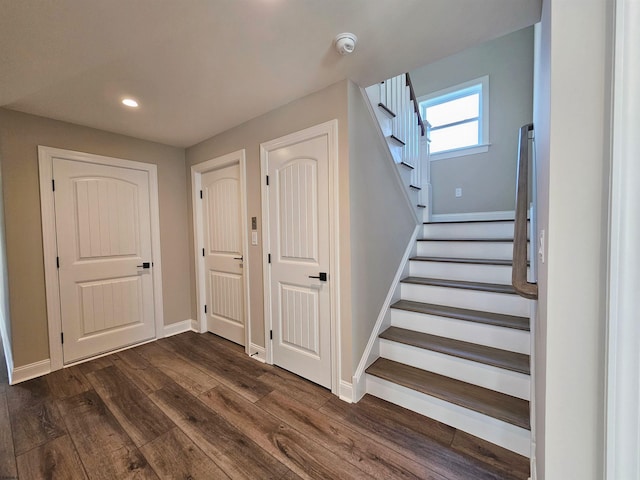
{"x": 461, "y": 271}
{"x": 503, "y": 434}
{"x": 468, "y": 230}
{"x": 510, "y": 339}
{"x": 471, "y": 249}
{"x": 509, "y": 304}
{"x": 487, "y": 376}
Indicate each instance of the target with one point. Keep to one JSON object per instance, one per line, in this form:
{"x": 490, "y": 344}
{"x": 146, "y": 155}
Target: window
{"x": 459, "y": 119}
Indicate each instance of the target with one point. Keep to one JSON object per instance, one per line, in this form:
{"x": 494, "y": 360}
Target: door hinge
{"x": 61, "y": 337}
{"x": 267, "y": 179}
{"x": 57, "y": 262}
{"x": 268, "y": 258}
{"x": 205, "y": 309}
{"x": 53, "y": 185}
{"x": 200, "y": 193}
{"x": 270, "y": 334}
{"x": 203, "y": 252}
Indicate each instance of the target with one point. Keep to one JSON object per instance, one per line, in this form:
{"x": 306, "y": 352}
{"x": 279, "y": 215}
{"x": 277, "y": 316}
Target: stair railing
{"x": 519, "y": 271}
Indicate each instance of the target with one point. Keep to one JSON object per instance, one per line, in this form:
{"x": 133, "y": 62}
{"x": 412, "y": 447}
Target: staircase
{"x": 457, "y": 348}
{"x": 396, "y": 110}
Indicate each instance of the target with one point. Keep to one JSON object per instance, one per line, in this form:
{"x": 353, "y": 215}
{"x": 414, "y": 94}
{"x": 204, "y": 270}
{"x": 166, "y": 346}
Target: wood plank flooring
{"x": 195, "y": 406}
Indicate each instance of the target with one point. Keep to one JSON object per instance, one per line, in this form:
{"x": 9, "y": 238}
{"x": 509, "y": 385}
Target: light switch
{"x": 254, "y": 238}
{"x": 458, "y": 192}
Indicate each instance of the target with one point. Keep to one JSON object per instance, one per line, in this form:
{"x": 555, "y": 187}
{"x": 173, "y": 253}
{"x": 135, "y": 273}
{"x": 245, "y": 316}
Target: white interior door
{"x": 298, "y": 196}
{"x": 103, "y": 233}
{"x": 223, "y": 253}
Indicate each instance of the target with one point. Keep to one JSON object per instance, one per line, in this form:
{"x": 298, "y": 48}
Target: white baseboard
{"x": 369, "y": 355}
{"x": 472, "y": 216}
{"x": 178, "y": 327}
{"x": 258, "y": 353}
{"x": 27, "y": 372}
{"x": 346, "y": 392}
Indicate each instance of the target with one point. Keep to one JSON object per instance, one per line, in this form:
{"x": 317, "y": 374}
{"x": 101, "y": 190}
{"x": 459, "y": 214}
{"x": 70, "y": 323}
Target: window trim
{"x": 458, "y": 91}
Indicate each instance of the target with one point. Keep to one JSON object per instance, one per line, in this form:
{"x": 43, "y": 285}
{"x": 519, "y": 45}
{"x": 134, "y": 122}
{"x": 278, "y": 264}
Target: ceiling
{"x": 200, "y": 67}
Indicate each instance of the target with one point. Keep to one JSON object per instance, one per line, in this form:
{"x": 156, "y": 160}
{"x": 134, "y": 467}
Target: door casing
{"x": 197, "y": 170}
{"x": 330, "y": 129}
{"x": 49, "y": 242}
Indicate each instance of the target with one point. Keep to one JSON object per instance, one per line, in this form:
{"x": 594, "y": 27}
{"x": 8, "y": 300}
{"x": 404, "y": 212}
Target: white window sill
{"x": 460, "y": 152}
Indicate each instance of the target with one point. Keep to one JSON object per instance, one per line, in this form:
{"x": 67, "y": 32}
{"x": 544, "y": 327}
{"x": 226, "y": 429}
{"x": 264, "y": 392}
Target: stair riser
{"x": 469, "y": 230}
{"x": 490, "y": 429}
{"x": 491, "y": 336}
{"x": 477, "y": 250}
{"x": 461, "y": 271}
{"x": 497, "y": 379}
{"x": 470, "y": 299}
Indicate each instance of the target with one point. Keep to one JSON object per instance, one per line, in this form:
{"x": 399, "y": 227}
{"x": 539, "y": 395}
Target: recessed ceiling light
{"x": 130, "y": 102}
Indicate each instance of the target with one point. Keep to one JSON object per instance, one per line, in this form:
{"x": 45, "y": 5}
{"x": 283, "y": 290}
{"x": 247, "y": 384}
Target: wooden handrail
{"x": 416, "y": 107}
{"x": 519, "y": 271}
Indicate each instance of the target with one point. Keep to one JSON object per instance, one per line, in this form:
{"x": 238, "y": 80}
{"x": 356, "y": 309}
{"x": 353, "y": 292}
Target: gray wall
{"x": 5, "y": 325}
{"x": 322, "y": 106}
{"x": 20, "y": 135}
{"x": 571, "y": 117}
{"x": 381, "y": 222}
{"x": 487, "y": 179}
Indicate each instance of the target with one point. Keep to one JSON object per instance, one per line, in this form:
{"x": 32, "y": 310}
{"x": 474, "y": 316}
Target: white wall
{"x": 571, "y": 119}
{"x": 487, "y": 179}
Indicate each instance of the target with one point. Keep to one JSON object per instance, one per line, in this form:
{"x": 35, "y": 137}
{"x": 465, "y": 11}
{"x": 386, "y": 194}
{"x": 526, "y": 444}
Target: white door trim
{"x": 49, "y": 243}
{"x": 623, "y": 363}
{"x": 330, "y": 129}
{"x": 197, "y": 170}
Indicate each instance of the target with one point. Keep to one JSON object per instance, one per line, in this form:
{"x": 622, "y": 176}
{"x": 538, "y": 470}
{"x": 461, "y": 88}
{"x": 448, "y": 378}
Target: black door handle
{"x": 237, "y": 258}
{"x": 322, "y": 276}
{"x": 144, "y": 265}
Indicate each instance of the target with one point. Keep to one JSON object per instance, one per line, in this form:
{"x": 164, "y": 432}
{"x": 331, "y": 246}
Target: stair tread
{"x": 488, "y": 402}
{"x": 488, "y": 318}
{"x": 466, "y": 285}
{"x": 469, "y": 221}
{"x": 494, "y": 240}
{"x": 516, "y": 362}
{"x": 477, "y": 261}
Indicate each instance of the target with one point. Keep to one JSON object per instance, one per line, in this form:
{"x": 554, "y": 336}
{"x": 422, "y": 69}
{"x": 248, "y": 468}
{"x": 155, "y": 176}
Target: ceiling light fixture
{"x": 130, "y": 102}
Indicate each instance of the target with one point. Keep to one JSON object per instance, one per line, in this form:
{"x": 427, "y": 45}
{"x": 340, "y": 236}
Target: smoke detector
{"x": 345, "y": 43}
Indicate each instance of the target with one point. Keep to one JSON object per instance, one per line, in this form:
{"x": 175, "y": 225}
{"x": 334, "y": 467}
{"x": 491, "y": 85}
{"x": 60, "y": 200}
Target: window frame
{"x": 479, "y": 85}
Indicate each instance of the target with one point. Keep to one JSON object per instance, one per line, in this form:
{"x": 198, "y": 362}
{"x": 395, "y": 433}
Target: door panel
{"x": 299, "y": 239}
{"x": 103, "y": 232}
{"x": 223, "y": 253}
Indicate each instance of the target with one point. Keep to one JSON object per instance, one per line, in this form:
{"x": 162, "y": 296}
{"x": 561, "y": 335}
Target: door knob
{"x": 322, "y": 276}
{"x": 238, "y": 258}
{"x": 144, "y": 265}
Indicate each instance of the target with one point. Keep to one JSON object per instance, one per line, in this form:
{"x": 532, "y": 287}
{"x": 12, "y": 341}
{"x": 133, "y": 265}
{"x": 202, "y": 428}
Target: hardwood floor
{"x": 196, "y": 407}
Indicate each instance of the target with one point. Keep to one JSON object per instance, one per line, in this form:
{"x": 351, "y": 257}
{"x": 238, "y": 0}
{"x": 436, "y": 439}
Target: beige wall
{"x": 322, "y": 106}
{"x": 487, "y": 179}
{"x": 381, "y": 222}
{"x": 571, "y": 118}
{"x": 20, "y": 135}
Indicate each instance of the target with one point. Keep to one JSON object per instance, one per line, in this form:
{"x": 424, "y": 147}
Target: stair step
{"x": 474, "y": 261}
{"x": 493, "y": 404}
{"x": 476, "y": 248}
{"x": 488, "y": 318}
{"x": 516, "y": 362}
{"x": 479, "y": 286}
{"x": 471, "y": 229}
{"x": 496, "y": 240}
